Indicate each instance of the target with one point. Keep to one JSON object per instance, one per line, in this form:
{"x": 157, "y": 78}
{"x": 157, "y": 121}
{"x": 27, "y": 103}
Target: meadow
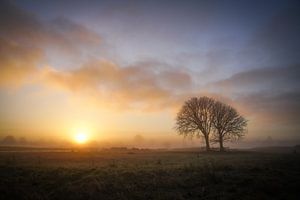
{"x": 147, "y": 174}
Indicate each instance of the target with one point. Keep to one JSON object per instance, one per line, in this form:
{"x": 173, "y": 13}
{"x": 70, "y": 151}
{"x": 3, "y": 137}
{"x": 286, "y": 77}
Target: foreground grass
{"x": 149, "y": 175}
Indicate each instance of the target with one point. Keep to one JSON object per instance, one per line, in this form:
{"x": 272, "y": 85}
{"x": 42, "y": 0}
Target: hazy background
{"x": 120, "y": 70}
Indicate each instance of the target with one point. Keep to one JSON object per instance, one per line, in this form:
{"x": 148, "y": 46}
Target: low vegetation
{"x": 149, "y": 174}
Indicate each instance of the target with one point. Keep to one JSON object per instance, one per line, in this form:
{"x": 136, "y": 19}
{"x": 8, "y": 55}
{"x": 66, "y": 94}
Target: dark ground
{"x": 149, "y": 174}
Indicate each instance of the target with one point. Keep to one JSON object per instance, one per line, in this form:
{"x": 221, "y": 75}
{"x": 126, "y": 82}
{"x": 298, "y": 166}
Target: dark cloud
{"x": 19, "y": 55}
{"x": 278, "y": 40}
{"x": 276, "y": 79}
{"x": 273, "y": 109}
{"x": 24, "y": 38}
{"x": 267, "y": 94}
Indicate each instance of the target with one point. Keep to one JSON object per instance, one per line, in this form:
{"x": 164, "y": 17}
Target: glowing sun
{"x": 81, "y": 138}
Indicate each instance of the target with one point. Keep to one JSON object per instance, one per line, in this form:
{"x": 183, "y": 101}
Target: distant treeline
{"x": 10, "y": 140}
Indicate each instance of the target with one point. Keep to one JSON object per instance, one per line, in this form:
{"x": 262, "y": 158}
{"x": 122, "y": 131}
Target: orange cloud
{"x": 139, "y": 86}
{"x": 24, "y": 40}
{"x": 17, "y": 62}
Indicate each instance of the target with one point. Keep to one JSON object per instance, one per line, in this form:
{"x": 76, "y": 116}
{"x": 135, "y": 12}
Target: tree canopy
{"x": 203, "y": 116}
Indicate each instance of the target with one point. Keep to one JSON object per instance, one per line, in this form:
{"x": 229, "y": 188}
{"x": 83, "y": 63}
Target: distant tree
{"x": 228, "y": 123}
{"x": 139, "y": 139}
{"x": 9, "y": 140}
{"x": 23, "y": 141}
{"x": 268, "y": 141}
{"x": 196, "y": 118}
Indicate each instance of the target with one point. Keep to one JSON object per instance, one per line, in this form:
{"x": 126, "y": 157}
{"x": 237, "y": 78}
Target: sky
{"x": 121, "y": 69}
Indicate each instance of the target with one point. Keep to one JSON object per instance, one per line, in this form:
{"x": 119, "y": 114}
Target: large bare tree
{"x": 196, "y": 118}
{"x": 228, "y": 123}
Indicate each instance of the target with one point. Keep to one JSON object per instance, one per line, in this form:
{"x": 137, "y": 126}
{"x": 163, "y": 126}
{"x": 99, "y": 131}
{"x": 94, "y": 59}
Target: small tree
{"x": 9, "y": 140}
{"x": 228, "y": 124}
{"x": 196, "y": 118}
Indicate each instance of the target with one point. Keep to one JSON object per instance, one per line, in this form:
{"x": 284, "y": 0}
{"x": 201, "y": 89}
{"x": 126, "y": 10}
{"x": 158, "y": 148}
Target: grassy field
{"x": 148, "y": 174}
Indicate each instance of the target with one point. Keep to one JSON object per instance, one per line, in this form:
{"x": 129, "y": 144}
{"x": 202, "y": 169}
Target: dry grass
{"x": 133, "y": 174}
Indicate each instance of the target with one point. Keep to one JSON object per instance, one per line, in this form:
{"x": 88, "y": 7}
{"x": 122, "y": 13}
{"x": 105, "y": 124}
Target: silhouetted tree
{"x": 138, "y": 139}
{"x": 228, "y": 123}
{"x": 9, "y": 140}
{"x": 195, "y": 118}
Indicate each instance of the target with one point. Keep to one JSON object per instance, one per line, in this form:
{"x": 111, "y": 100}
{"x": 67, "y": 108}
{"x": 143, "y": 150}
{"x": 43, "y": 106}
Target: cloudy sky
{"x": 120, "y": 68}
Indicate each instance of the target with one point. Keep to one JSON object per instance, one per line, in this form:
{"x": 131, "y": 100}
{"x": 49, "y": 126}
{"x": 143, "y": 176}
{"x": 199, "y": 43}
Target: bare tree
{"x": 195, "y": 118}
{"x": 228, "y": 123}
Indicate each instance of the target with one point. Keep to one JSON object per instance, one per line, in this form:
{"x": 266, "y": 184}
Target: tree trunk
{"x": 221, "y": 143}
{"x": 207, "y": 143}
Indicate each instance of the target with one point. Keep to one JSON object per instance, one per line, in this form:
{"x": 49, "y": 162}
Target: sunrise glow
{"x": 131, "y": 98}
{"x": 81, "y": 138}
{"x": 115, "y": 73}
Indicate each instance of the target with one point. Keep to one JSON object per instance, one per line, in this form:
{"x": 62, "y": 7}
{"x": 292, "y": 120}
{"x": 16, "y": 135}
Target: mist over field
{"x": 115, "y": 69}
{"x": 140, "y": 99}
